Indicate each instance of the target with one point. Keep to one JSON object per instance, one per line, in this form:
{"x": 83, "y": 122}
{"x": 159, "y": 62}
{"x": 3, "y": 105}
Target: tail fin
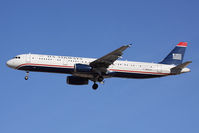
{"x": 176, "y": 55}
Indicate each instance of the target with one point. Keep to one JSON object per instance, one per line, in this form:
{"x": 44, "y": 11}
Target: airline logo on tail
{"x": 177, "y": 56}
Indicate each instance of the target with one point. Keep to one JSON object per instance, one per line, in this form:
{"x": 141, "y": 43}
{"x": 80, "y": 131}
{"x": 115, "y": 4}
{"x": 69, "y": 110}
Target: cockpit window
{"x": 17, "y": 57}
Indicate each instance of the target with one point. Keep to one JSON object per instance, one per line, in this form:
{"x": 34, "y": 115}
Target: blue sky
{"x": 45, "y": 103}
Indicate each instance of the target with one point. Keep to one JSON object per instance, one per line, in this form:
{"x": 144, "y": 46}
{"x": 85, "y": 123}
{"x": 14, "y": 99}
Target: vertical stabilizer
{"x": 176, "y": 55}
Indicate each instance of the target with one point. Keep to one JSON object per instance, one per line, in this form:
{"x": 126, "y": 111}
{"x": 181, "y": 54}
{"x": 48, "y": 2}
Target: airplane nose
{"x": 9, "y": 63}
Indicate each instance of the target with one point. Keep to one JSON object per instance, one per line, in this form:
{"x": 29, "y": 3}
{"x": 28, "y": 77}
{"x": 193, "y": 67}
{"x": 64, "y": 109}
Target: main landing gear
{"x": 97, "y": 78}
{"x": 100, "y": 78}
{"x": 27, "y": 75}
{"x": 95, "y": 86}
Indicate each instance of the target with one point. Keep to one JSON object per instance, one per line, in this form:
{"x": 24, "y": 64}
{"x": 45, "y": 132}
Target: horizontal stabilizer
{"x": 177, "y": 69}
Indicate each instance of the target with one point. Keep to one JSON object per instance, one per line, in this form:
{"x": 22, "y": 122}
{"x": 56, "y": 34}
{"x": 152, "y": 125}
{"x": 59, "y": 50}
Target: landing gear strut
{"x": 95, "y": 86}
{"x": 100, "y": 78}
{"x": 27, "y": 75}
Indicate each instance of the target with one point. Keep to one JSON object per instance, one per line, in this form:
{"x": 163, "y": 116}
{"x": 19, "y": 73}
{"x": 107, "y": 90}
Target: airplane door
{"x": 28, "y": 58}
{"x": 159, "y": 68}
{"x": 65, "y": 62}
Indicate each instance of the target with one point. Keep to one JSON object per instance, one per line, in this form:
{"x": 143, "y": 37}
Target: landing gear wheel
{"x": 26, "y": 77}
{"x": 95, "y": 86}
{"x": 27, "y": 74}
{"x": 100, "y": 79}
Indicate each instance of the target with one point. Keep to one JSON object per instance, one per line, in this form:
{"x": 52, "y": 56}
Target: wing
{"x": 107, "y": 60}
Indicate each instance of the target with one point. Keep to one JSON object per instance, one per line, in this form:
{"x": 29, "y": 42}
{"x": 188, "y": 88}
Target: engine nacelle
{"x": 82, "y": 68}
{"x": 73, "y": 80}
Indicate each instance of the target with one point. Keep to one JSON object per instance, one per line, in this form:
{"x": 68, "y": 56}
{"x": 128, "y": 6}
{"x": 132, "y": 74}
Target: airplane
{"x": 83, "y": 70}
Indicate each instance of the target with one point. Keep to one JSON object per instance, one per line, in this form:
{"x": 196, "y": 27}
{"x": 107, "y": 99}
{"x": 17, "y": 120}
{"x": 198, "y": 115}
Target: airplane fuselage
{"x": 66, "y": 65}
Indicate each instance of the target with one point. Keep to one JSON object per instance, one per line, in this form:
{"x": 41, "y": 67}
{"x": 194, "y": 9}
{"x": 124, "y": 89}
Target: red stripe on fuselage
{"x": 31, "y": 64}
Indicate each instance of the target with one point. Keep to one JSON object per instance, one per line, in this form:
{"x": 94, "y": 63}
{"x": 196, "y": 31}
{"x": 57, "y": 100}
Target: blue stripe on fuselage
{"x": 47, "y": 69}
{"x": 134, "y": 75}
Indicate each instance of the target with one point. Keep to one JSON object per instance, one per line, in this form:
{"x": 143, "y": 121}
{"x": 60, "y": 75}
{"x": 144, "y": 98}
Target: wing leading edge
{"x": 110, "y": 58}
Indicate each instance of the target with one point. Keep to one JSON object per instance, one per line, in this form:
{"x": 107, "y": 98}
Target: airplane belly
{"x": 134, "y": 75}
{"x": 47, "y": 69}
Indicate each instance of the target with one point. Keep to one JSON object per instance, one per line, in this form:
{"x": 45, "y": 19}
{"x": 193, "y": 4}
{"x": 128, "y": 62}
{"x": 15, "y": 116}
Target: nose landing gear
{"x": 27, "y": 75}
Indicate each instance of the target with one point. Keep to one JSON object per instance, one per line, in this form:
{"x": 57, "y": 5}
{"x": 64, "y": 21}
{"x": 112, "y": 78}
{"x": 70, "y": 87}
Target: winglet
{"x": 182, "y": 44}
{"x": 129, "y": 45}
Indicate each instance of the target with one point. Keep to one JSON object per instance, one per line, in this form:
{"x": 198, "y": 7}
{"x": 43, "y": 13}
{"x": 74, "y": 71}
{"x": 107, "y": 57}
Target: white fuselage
{"x": 65, "y": 64}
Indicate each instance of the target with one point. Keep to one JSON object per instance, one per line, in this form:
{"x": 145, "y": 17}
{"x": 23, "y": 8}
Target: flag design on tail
{"x": 176, "y": 55}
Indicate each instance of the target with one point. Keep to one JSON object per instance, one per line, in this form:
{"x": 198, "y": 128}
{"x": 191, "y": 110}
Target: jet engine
{"x": 82, "y": 68}
{"x": 74, "y": 80}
